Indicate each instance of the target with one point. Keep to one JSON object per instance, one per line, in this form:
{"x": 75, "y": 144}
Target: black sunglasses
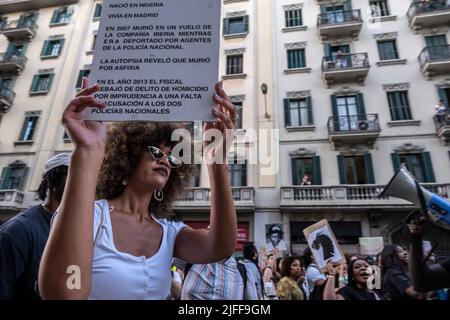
{"x": 158, "y": 154}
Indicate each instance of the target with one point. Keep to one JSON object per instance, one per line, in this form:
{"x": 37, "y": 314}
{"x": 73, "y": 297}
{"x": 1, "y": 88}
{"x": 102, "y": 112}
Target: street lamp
{"x": 264, "y": 90}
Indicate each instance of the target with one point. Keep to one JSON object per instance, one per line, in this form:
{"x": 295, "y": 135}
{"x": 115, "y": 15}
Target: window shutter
{"x": 226, "y": 26}
{"x": 55, "y": 17}
{"x": 50, "y": 81}
{"x": 6, "y": 173}
{"x": 310, "y": 111}
{"x": 335, "y": 112}
{"x": 361, "y": 105}
{"x": 23, "y": 179}
{"x": 302, "y": 54}
{"x": 443, "y": 97}
{"x": 45, "y": 48}
{"x": 34, "y": 83}
{"x": 323, "y": 8}
{"x": 327, "y": 50}
{"x": 348, "y": 5}
{"x": 428, "y": 167}
{"x": 370, "y": 177}
{"x": 317, "y": 171}
{"x": 294, "y": 171}
{"x": 245, "y": 23}
{"x": 287, "y": 113}
{"x": 395, "y": 161}
{"x": 98, "y": 10}
{"x": 341, "y": 164}
{"x": 79, "y": 83}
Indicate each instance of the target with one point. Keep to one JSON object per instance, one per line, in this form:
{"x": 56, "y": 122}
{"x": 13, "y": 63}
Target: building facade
{"x": 346, "y": 91}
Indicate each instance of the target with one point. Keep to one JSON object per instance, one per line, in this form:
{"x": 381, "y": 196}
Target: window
{"x": 61, "y": 16}
{"x": 29, "y": 126}
{"x": 306, "y": 171}
{"x": 419, "y": 164}
{"x": 66, "y": 137}
{"x": 293, "y": 18}
{"x": 52, "y": 48}
{"x": 347, "y": 111}
{"x": 13, "y": 176}
{"x": 238, "y": 174}
{"x": 235, "y": 25}
{"x": 235, "y": 64}
{"x": 387, "y": 50}
{"x": 296, "y": 58}
{"x": 98, "y": 10}
{"x": 94, "y": 41}
{"x": 83, "y": 73}
{"x": 195, "y": 180}
{"x": 298, "y": 112}
{"x": 379, "y": 8}
{"x": 239, "y": 114}
{"x": 356, "y": 169}
{"x": 399, "y": 105}
{"x": 41, "y": 83}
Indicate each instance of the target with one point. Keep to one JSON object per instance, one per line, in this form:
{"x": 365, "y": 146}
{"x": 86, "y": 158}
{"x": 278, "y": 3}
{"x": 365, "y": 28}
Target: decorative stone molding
{"x": 297, "y": 70}
{"x": 238, "y": 98}
{"x": 408, "y": 147}
{"x": 234, "y": 76}
{"x": 46, "y": 71}
{"x": 295, "y": 6}
{"x": 56, "y": 37}
{"x": 295, "y": 45}
{"x": 235, "y": 35}
{"x": 233, "y": 1}
{"x": 434, "y": 31}
{"x": 301, "y": 128}
{"x": 17, "y": 164}
{"x": 382, "y": 19}
{"x": 354, "y": 150}
{"x": 294, "y": 29}
{"x": 230, "y": 52}
{"x": 87, "y": 66}
{"x": 403, "y": 123}
{"x": 444, "y": 83}
{"x": 346, "y": 91}
{"x": 302, "y": 152}
{"x": 385, "y": 36}
{"x": 236, "y": 14}
{"x": 298, "y": 94}
{"x": 396, "y": 86}
{"x": 391, "y": 62}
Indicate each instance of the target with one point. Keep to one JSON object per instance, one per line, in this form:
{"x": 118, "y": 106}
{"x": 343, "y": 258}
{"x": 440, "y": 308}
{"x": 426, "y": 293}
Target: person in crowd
{"x": 287, "y": 288}
{"x": 177, "y": 284}
{"x": 439, "y": 111}
{"x": 223, "y": 280}
{"x": 425, "y": 277}
{"x": 341, "y": 272}
{"x": 23, "y": 238}
{"x": 251, "y": 265}
{"x": 314, "y": 278}
{"x": 305, "y": 181}
{"x": 341, "y": 61}
{"x": 396, "y": 279}
{"x": 357, "y": 287}
{"x": 269, "y": 276}
{"x": 121, "y": 250}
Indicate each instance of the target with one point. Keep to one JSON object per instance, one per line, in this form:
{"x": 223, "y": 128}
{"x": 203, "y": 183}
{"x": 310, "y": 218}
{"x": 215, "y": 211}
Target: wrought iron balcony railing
{"x": 425, "y": 7}
{"x": 442, "y": 119}
{"x": 338, "y": 17}
{"x": 345, "y": 61}
{"x": 360, "y": 123}
{"x": 434, "y": 54}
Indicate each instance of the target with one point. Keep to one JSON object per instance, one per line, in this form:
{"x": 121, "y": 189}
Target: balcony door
{"x": 356, "y": 169}
{"x": 444, "y": 95}
{"x": 335, "y": 14}
{"x": 437, "y": 47}
{"x": 347, "y": 112}
{"x": 15, "y": 49}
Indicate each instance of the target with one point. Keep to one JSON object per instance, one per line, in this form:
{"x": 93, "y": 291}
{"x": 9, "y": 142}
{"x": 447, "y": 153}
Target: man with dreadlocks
{"x": 23, "y": 238}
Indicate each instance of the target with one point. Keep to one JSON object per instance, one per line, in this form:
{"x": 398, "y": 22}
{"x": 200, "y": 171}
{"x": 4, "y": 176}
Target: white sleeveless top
{"x": 122, "y": 276}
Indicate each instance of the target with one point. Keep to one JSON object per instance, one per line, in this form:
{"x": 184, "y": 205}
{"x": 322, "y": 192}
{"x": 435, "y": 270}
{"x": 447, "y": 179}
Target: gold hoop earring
{"x": 158, "y": 194}
{"x": 125, "y": 181}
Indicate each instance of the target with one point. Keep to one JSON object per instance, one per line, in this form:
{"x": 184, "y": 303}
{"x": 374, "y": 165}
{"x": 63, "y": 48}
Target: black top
{"x": 353, "y": 293}
{"x": 446, "y": 265}
{"x": 22, "y": 242}
{"x": 396, "y": 281}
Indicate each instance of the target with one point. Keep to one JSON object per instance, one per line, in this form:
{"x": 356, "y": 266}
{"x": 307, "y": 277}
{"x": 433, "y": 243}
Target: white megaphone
{"x": 404, "y": 186}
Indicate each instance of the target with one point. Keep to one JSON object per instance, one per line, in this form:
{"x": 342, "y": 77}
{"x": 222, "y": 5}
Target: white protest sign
{"x": 157, "y": 60}
{"x": 370, "y": 245}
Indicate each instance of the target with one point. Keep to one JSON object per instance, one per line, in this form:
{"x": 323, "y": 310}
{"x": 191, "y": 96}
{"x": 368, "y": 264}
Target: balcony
{"x": 425, "y": 14}
{"x": 12, "y": 63}
{"x": 435, "y": 60}
{"x": 339, "y": 24}
{"x": 357, "y": 197}
{"x": 10, "y": 6}
{"x": 199, "y": 199}
{"x": 23, "y": 29}
{"x": 11, "y": 200}
{"x": 442, "y": 122}
{"x": 354, "y": 129}
{"x": 346, "y": 68}
{"x": 6, "y": 99}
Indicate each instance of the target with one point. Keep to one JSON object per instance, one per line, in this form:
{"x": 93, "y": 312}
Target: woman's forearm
{"x": 329, "y": 292}
{"x": 70, "y": 244}
{"x": 223, "y": 222}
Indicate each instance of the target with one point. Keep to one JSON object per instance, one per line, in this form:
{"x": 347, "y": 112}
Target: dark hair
{"x": 390, "y": 259}
{"x": 249, "y": 252}
{"x": 288, "y": 261}
{"x": 322, "y": 240}
{"x": 54, "y": 179}
{"x": 275, "y": 229}
{"x": 126, "y": 143}
{"x": 307, "y": 253}
{"x": 351, "y": 276}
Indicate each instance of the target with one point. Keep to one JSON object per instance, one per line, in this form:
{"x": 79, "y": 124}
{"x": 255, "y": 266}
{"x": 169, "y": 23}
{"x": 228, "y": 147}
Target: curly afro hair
{"x": 125, "y": 145}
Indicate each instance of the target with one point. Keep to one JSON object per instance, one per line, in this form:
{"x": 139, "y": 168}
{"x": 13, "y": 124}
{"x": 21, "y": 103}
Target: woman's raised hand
{"x": 88, "y": 134}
